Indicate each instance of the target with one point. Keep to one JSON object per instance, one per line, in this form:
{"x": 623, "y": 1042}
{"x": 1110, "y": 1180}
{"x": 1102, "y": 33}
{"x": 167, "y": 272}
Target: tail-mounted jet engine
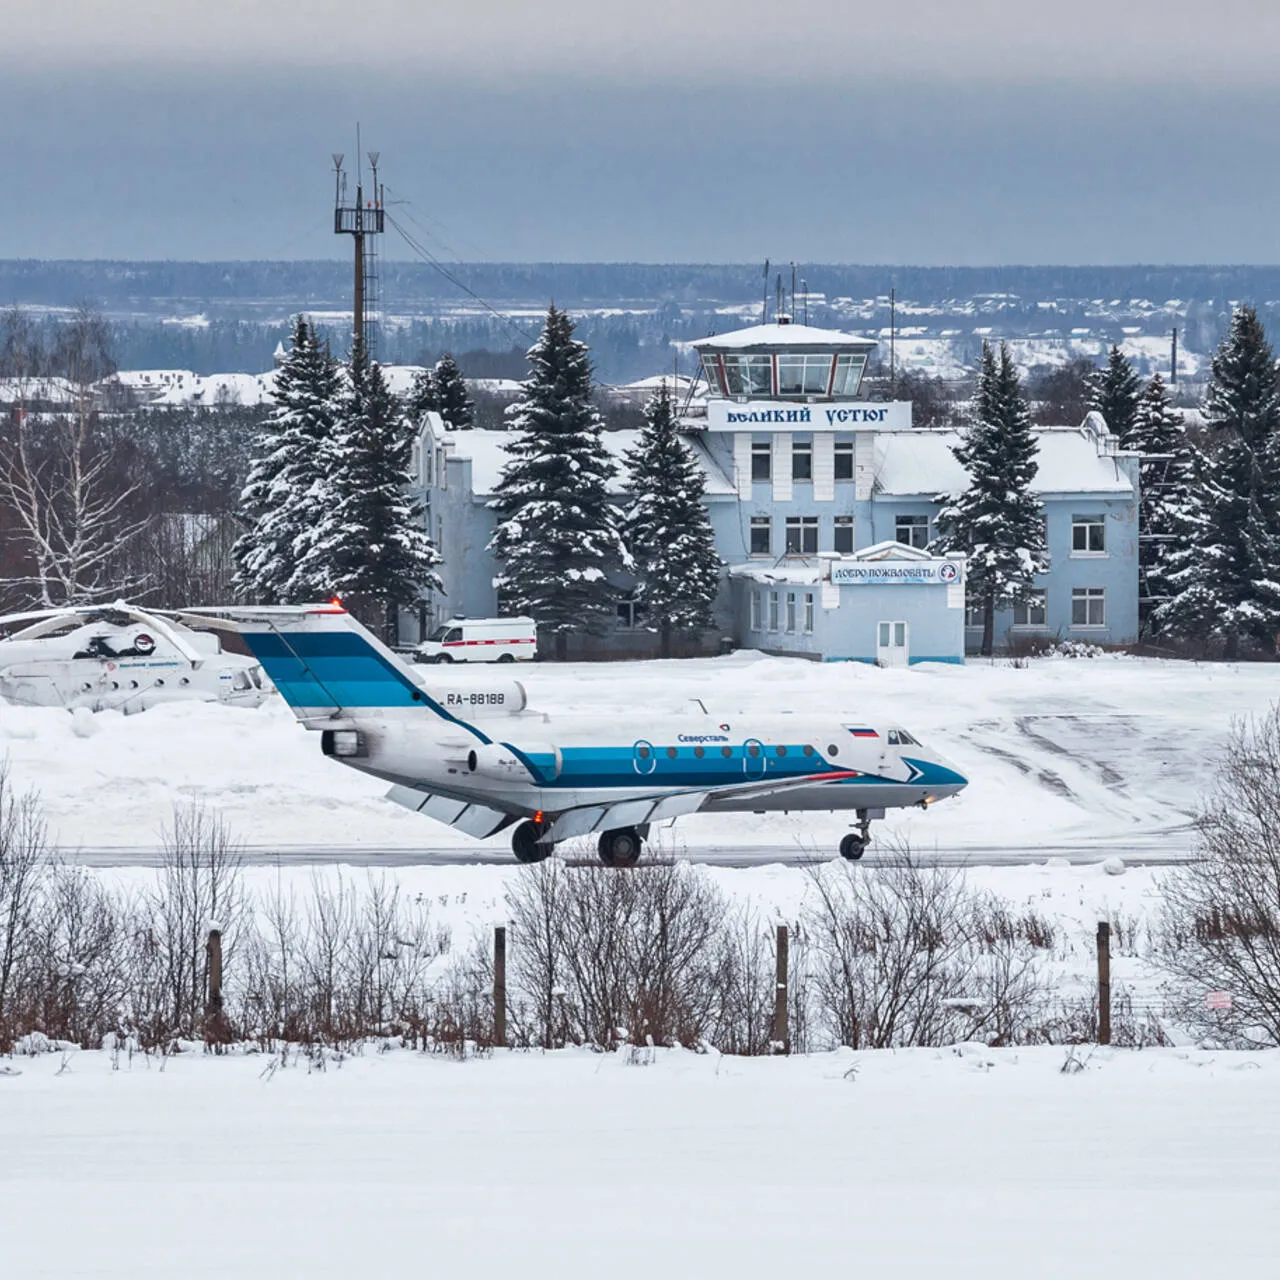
{"x": 495, "y": 761}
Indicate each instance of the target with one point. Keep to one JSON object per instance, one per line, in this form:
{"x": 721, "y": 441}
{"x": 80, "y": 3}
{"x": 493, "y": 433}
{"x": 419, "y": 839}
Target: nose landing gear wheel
{"x": 525, "y": 845}
{"x": 620, "y": 848}
{"x": 853, "y": 846}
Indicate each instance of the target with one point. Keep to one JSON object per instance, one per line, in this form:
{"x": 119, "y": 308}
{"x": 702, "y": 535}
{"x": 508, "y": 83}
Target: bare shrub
{"x": 1220, "y": 929}
{"x": 198, "y": 887}
{"x": 603, "y": 958}
{"x": 23, "y": 858}
{"x": 907, "y": 955}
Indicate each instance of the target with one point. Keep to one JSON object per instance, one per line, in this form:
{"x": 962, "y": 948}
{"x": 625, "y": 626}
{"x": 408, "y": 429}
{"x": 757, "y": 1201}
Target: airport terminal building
{"x": 823, "y": 505}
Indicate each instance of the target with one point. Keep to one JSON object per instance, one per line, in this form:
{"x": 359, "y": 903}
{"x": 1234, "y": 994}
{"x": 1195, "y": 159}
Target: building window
{"x": 1088, "y": 607}
{"x": 913, "y": 531}
{"x": 748, "y": 375}
{"x": 844, "y": 536}
{"x": 773, "y": 611}
{"x": 803, "y": 375}
{"x": 791, "y": 612}
{"x": 1088, "y": 535}
{"x": 808, "y": 613}
{"x": 631, "y": 613}
{"x": 711, "y": 367}
{"x": 1032, "y": 612}
{"x": 801, "y": 460}
{"x": 802, "y": 535}
{"x": 848, "y": 374}
{"x": 844, "y": 460}
{"x": 756, "y": 611}
{"x": 761, "y": 540}
{"x": 761, "y": 460}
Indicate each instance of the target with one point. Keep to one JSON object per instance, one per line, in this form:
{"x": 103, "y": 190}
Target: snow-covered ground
{"x": 964, "y": 1162}
{"x": 1064, "y": 754}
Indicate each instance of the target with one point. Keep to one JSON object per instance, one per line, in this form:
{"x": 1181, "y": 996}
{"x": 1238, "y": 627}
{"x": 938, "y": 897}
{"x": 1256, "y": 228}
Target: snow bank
{"x": 917, "y": 1164}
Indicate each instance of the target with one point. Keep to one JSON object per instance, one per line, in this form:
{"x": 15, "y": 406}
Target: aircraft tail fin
{"x": 326, "y": 665}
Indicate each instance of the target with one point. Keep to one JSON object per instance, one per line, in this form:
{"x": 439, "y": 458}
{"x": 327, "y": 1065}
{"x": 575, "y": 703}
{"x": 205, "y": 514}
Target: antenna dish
{"x": 337, "y": 161}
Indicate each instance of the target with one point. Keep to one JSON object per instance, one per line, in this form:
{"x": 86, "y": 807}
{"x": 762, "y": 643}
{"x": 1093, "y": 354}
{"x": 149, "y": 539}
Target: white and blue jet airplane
{"x": 473, "y": 758}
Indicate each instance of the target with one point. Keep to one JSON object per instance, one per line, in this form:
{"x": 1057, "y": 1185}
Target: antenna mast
{"x": 361, "y": 220}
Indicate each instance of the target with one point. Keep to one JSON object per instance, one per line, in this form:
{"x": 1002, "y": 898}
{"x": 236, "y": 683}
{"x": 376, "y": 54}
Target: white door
{"x": 892, "y": 648}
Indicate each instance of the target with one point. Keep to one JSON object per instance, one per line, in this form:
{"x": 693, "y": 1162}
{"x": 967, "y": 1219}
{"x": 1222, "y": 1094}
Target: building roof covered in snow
{"x": 1071, "y": 460}
{"x": 487, "y": 452}
{"x": 767, "y": 337}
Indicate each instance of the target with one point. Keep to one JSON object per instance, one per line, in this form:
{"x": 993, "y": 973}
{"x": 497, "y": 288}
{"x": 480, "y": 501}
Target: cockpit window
{"x": 901, "y": 738}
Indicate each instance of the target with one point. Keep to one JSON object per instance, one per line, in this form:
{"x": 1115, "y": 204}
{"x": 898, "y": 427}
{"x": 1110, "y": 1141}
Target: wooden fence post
{"x": 781, "y": 1035}
{"x": 213, "y": 1024}
{"x": 1104, "y": 982}
{"x": 500, "y": 987}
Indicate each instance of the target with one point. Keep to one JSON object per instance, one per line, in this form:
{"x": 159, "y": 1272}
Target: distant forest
{"x": 215, "y": 317}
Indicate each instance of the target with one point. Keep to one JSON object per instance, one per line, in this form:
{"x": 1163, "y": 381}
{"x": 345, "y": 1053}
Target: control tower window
{"x": 748, "y": 375}
{"x": 848, "y": 374}
{"x": 711, "y": 366}
{"x": 803, "y": 375}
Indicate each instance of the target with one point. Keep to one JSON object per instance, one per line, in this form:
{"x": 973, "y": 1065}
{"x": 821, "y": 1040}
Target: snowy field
{"x": 1109, "y": 753}
{"x": 958, "y": 1162}
{"x": 963, "y": 1162}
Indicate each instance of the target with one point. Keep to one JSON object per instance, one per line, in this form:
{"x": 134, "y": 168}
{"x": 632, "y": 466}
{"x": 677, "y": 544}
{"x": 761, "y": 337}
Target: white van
{"x": 481, "y": 640}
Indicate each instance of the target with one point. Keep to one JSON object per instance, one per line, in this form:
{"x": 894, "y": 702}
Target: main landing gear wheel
{"x": 525, "y": 844}
{"x": 852, "y": 847}
{"x": 620, "y": 848}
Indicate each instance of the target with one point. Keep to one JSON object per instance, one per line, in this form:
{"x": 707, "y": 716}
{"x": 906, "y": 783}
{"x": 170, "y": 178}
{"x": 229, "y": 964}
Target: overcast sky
{"x": 930, "y": 131}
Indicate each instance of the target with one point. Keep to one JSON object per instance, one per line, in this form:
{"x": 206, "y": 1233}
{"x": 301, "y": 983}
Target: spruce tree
{"x": 367, "y": 544}
{"x": 557, "y": 542}
{"x": 286, "y": 470}
{"x": 453, "y": 402}
{"x": 997, "y": 523}
{"x": 1226, "y": 574}
{"x": 1166, "y": 474}
{"x": 1116, "y": 392}
{"x": 423, "y": 395}
{"x": 667, "y": 529}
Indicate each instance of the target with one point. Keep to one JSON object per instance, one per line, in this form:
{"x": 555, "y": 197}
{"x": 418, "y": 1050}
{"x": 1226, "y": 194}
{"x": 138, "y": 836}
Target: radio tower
{"x": 362, "y": 221}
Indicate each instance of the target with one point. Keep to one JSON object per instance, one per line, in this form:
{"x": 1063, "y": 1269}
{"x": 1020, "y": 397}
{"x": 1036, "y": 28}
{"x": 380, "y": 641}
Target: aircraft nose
{"x": 942, "y": 777}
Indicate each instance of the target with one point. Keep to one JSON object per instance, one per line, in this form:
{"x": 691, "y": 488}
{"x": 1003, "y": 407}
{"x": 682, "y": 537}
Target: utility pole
{"x": 360, "y": 220}
{"x": 893, "y": 338}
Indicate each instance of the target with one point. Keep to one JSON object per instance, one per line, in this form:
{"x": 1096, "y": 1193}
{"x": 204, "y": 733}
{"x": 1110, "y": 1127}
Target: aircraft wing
{"x": 474, "y": 819}
{"x": 660, "y": 806}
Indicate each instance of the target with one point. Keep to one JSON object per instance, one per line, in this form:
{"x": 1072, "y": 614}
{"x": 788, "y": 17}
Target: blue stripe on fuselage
{"x": 605, "y": 767}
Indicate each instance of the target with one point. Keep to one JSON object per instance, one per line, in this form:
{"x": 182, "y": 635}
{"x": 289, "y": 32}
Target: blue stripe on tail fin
{"x": 325, "y": 663}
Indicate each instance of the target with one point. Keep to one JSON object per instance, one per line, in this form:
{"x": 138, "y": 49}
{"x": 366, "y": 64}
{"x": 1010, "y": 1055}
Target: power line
{"x": 431, "y": 260}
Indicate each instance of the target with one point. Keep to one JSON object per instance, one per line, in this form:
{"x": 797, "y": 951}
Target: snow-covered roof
{"x": 801, "y": 574}
{"x": 766, "y": 336}
{"x": 921, "y": 462}
{"x": 487, "y": 451}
